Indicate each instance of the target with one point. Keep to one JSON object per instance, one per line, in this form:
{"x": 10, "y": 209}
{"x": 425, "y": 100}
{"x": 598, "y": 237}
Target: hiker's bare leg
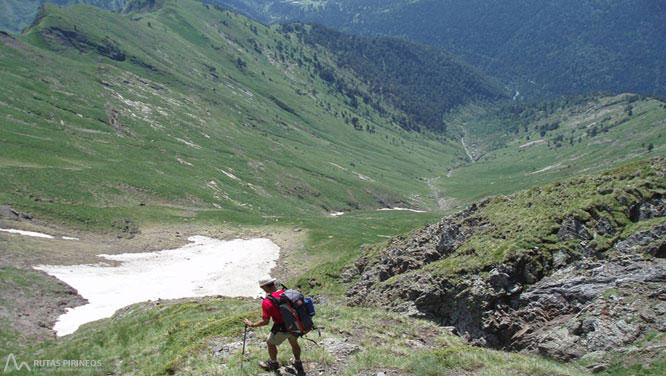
{"x": 272, "y": 352}
{"x": 295, "y": 347}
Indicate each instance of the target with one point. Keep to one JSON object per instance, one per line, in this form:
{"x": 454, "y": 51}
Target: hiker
{"x": 278, "y": 332}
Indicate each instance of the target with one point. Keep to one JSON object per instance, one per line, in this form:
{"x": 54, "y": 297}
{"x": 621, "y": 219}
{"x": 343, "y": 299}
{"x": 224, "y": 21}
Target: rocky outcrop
{"x": 591, "y": 306}
{"x": 9, "y": 213}
{"x": 577, "y": 285}
{"x": 77, "y": 40}
{"x": 649, "y": 209}
{"x": 404, "y": 254}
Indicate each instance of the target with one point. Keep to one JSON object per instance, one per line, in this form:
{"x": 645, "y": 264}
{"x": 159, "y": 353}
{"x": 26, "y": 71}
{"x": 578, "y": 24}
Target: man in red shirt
{"x": 278, "y": 331}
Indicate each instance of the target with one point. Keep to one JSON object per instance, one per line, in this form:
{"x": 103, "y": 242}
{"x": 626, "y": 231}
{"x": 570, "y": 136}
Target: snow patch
{"x": 363, "y": 177}
{"x": 204, "y": 267}
{"x": 336, "y": 214}
{"x": 338, "y": 166}
{"x": 27, "y": 233}
{"x": 537, "y": 142}
{"x": 403, "y": 209}
{"x": 556, "y": 165}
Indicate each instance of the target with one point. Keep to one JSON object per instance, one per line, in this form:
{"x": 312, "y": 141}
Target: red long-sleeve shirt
{"x": 271, "y": 310}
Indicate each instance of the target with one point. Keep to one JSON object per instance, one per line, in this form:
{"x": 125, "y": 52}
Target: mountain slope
{"x": 18, "y": 14}
{"x": 194, "y": 107}
{"x": 423, "y": 82}
{"x": 137, "y": 130}
{"x": 553, "y": 47}
{"x": 567, "y": 270}
{"x": 205, "y": 336}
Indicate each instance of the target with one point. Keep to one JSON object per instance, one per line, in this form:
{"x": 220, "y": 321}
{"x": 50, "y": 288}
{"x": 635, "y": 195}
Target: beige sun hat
{"x": 266, "y": 281}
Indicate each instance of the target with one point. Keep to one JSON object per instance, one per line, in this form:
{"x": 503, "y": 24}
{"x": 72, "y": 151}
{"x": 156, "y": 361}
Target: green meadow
{"x": 188, "y": 114}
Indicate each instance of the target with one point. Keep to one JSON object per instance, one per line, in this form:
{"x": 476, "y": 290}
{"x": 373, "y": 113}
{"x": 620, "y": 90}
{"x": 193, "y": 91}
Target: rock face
{"x": 7, "y": 212}
{"x": 585, "y": 283}
{"x": 591, "y": 305}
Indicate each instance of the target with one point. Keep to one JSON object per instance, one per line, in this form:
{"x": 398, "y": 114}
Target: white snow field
{"x": 34, "y": 234}
{"x": 202, "y": 268}
{"x": 27, "y": 233}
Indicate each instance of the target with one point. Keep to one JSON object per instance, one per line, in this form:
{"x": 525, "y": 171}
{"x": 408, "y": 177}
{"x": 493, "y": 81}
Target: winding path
{"x": 442, "y": 201}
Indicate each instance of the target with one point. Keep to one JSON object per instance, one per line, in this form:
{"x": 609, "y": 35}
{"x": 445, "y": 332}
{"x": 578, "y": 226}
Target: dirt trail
{"x": 443, "y": 203}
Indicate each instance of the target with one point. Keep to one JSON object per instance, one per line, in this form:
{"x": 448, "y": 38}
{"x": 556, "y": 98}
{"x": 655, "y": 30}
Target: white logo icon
{"x": 17, "y": 367}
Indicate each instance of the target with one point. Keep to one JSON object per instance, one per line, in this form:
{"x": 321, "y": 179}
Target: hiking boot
{"x": 297, "y": 364}
{"x": 269, "y": 365}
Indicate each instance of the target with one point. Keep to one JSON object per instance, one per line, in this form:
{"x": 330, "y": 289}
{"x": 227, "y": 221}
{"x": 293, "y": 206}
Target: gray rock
{"x": 499, "y": 280}
{"x": 404, "y": 255}
{"x": 650, "y": 209}
{"x": 660, "y": 309}
{"x": 219, "y": 347}
{"x": 596, "y": 368}
{"x": 637, "y": 241}
{"x": 657, "y": 250}
{"x": 573, "y": 229}
{"x": 561, "y": 345}
{"x": 339, "y": 347}
{"x": 8, "y": 213}
{"x": 605, "y": 227}
{"x": 560, "y": 259}
{"x": 573, "y": 301}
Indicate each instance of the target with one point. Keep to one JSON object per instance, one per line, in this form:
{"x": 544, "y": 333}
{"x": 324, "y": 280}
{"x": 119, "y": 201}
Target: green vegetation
{"x": 181, "y": 113}
{"x": 525, "y": 225}
{"x": 556, "y": 47}
{"x": 16, "y": 15}
{"x": 153, "y": 109}
{"x": 523, "y": 146}
{"x": 421, "y": 81}
{"x": 181, "y": 337}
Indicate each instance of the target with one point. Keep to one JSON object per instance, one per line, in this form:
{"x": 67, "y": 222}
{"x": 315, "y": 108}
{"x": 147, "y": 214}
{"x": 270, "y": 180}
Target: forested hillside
{"x": 536, "y": 47}
{"x": 555, "y": 47}
{"x": 421, "y": 81}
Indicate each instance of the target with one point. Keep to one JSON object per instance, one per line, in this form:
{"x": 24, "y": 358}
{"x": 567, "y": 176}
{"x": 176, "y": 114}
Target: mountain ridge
{"x": 555, "y": 48}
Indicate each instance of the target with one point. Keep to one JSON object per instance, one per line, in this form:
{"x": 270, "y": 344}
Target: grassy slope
{"x": 16, "y": 15}
{"x": 178, "y": 338}
{"x": 252, "y": 162}
{"x": 523, "y": 228}
{"x": 201, "y": 140}
{"x": 530, "y": 219}
{"x": 512, "y": 161}
{"x": 196, "y": 132}
{"x": 61, "y": 159}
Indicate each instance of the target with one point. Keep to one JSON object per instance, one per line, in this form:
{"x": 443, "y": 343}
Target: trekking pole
{"x": 243, "y": 353}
